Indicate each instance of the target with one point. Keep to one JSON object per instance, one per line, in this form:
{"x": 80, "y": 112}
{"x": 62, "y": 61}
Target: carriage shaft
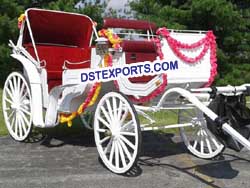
{"x": 166, "y": 127}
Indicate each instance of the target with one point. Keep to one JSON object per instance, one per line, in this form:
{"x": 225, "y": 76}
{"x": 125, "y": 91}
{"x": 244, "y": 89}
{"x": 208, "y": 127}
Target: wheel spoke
{"x": 124, "y": 147}
{"x": 103, "y": 122}
{"x": 11, "y": 87}
{"x": 16, "y": 126}
{"x": 13, "y": 122}
{"x": 111, "y": 156}
{"x": 213, "y": 139}
{"x": 106, "y": 114}
{"x": 8, "y": 100}
{"x": 127, "y": 142}
{"x": 20, "y": 127}
{"x": 124, "y": 116}
{"x": 117, "y": 160}
{"x": 127, "y": 133}
{"x": 15, "y": 83}
{"x": 11, "y": 114}
{"x": 104, "y": 139}
{"x": 196, "y": 140}
{"x": 126, "y": 125}
{"x": 18, "y": 84}
{"x": 9, "y": 93}
{"x": 111, "y": 113}
{"x": 119, "y": 110}
{"x": 202, "y": 144}
{"x": 25, "y": 111}
{"x": 209, "y": 146}
{"x": 108, "y": 147}
{"x": 24, "y": 117}
{"x": 121, "y": 154}
{"x": 23, "y": 125}
{"x": 24, "y": 96}
{"x": 114, "y": 108}
{"x": 101, "y": 130}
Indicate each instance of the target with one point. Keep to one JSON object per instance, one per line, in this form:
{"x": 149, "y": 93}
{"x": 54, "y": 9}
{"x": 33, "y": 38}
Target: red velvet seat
{"x": 59, "y": 36}
{"x": 55, "y": 56}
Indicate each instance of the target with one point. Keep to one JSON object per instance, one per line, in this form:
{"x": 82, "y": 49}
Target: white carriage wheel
{"x": 117, "y": 132}
{"x": 197, "y": 138}
{"x": 17, "y": 108}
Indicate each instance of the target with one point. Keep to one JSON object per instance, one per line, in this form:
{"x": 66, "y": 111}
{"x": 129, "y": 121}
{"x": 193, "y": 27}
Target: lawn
{"x": 3, "y": 130}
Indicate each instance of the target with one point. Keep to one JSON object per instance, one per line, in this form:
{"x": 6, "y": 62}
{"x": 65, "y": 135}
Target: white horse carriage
{"x": 55, "y": 50}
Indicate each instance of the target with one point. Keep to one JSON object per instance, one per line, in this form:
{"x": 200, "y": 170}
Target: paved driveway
{"x": 54, "y": 161}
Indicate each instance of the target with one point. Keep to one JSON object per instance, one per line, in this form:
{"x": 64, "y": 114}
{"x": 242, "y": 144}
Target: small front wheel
{"x": 197, "y": 138}
{"x": 117, "y": 132}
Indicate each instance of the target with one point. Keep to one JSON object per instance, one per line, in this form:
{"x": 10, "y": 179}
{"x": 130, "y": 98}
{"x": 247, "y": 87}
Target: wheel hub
{"x": 115, "y": 132}
{"x": 16, "y": 106}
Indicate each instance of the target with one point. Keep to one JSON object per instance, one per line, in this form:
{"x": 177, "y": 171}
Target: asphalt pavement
{"x": 50, "y": 161}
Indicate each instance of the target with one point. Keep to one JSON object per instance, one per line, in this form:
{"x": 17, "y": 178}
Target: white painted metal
{"x": 192, "y": 99}
{"x": 197, "y": 138}
{"x": 33, "y": 77}
{"x": 17, "y": 106}
{"x": 117, "y": 132}
{"x": 166, "y": 127}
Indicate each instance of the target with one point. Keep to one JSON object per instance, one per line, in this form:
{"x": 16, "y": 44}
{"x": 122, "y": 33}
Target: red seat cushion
{"x": 55, "y": 57}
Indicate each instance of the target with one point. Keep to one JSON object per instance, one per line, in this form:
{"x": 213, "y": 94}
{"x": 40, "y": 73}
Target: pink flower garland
{"x": 208, "y": 42}
{"x": 157, "y": 42}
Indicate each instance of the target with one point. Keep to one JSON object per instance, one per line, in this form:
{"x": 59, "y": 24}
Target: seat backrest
{"x": 55, "y": 56}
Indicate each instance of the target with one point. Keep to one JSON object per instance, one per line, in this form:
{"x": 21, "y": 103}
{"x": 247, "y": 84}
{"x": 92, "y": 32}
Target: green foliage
{"x": 229, "y": 20}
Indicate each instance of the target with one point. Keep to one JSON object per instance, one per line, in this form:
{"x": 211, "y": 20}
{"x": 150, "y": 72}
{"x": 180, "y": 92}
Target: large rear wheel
{"x": 117, "y": 132}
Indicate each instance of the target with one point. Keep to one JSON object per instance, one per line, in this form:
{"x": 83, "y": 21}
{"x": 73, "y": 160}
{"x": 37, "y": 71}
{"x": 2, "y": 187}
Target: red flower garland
{"x": 208, "y": 42}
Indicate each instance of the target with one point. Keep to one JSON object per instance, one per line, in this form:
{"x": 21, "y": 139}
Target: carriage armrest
{"x": 138, "y": 46}
{"x": 72, "y": 65}
{"x": 128, "y": 24}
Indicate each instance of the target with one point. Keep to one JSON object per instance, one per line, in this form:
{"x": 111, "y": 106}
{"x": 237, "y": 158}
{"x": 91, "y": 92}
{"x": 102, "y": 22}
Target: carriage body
{"x": 55, "y": 48}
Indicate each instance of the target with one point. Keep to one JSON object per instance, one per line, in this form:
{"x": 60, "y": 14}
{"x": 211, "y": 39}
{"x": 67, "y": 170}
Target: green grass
{"x": 163, "y": 117}
{"x": 3, "y": 130}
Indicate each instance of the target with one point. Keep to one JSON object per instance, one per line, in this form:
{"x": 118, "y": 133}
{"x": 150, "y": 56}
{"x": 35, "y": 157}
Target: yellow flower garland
{"x": 91, "y": 98}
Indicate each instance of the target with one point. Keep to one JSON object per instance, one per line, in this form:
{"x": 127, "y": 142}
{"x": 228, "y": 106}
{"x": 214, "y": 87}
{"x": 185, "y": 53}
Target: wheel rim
{"x": 198, "y": 139}
{"x": 17, "y": 106}
{"x": 117, "y": 133}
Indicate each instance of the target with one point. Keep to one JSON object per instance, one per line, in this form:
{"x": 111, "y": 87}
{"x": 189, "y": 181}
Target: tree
{"x": 229, "y": 19}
